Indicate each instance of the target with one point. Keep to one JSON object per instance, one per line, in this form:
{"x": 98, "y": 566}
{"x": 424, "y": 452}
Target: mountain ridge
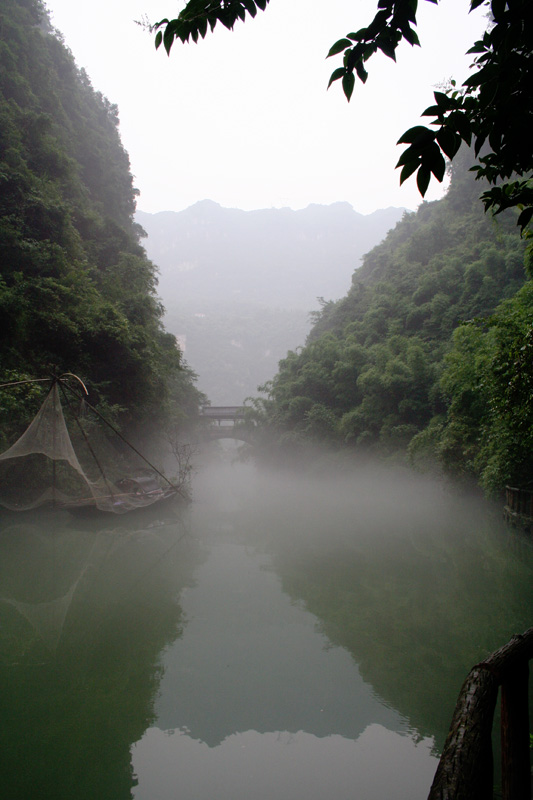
{"x": 239, "y": 255}
{"x": 238, "y": 285}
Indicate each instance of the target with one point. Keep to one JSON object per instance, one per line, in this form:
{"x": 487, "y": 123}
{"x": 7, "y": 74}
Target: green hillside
{"x": 77, "y": 292}
{"x": 381, "y": 371}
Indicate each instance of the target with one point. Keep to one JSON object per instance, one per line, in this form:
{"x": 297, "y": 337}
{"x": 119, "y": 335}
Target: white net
{"x": 43, "y": 468}
{"x": 46, "y": 619}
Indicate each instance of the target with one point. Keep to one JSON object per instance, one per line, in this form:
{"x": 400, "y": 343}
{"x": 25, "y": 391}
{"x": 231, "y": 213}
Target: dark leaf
{"x": 410, "y": 11}
{"x": 497, "y": 7}
{"x": 368, "y": 51}
{"x": 410, "y": 35}
{"x": 478, "y": 47}
{"x": 378, "y": 24}
{"x": 495, "y": 140}
{"x": 422, "y": 180}
{"x": 438, "y": 167}
{"x": 387, "y": 49}
{"x": 448, "y": 141}
{"x": 168, "y": 38}
{"x": 335, "y": 75}
{"x": 525, "y": 217}
{"x": 417, "y": 134}
{"x": 484, "y": 75}
{"x": 442, "y": 100}
{"x": 202, "y": 27}
{"x": 250, "y": 7}
{"x": 348, "y": 82}
{"x": 459, "y": 121}
{"x": 158, "y": 39}
{"x": 338, "y": 47}
{"x": 362, "y": 74}
{"x": 408, "y": 155}
{"x": 356, "y": 37}
{"x": 408, "y": 170}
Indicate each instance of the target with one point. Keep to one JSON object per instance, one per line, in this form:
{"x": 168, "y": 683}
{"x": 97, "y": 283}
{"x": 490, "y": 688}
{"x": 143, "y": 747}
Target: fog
{"x": 292, "y": 633}
{"x": 412, "y": 575}
{"x": 238, "y": 286}
{"x": 335, "y": 497}
{"x": 330, "y": 628}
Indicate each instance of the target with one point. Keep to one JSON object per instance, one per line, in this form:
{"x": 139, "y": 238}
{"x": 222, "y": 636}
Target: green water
{"x": 283, "y": 638}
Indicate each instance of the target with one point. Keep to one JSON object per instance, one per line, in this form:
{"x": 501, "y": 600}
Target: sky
{"x": 243, "y": 118}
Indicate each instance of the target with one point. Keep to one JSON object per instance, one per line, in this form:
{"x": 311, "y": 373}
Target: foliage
{"x": 491, "y": 110}
{"x": 77, "y": 292}
{"x": 489, "y": 382}
{"x": 370, "y": 374}
{"x": 194, "y": 20}
{"x": 418, "y": 586}
{"x": 94, "y": 692}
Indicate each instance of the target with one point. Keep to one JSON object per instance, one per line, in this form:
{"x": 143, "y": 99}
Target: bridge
{"x": 225, "y": 422}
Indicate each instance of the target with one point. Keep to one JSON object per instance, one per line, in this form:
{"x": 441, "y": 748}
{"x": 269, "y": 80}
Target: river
{"x": 287, "y": 636}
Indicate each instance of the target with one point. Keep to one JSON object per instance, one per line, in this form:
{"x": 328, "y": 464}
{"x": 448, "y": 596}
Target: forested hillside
{"x": 420, "y": 359}
{"x": 77, "y": 292}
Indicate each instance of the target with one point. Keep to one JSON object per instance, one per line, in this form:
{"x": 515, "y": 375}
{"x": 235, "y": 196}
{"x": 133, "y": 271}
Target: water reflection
{"x": 299, "y": 766}
{"x": 251, "y": 660}
{"x": 328, "y": 634}
{"x": 84, "y": 615}
{"x": 295, "y": 638}
{"x": 417, "y": 618}
{"x": 417, "y": 582}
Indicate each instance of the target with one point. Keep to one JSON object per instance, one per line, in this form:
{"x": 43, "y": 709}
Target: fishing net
{"x": 47, "y": 619}
{"x": 49, "y": 465}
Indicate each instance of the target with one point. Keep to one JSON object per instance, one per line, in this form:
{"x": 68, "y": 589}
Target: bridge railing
{"x": 223, "y": 413}
{"x": 465, "y": 770}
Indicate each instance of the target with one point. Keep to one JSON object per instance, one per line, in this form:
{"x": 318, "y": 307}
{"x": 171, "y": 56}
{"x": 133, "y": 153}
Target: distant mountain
{"x": 277, "y": 258}
{"x": 238, "y": 285}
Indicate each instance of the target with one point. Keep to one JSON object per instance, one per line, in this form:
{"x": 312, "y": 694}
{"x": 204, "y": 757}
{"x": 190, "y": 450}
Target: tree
{"x": 491, "y": 110}
{"x": 77, "y": 293}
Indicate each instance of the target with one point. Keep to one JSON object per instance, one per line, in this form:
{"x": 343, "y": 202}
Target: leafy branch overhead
{"x": 200, "y": 15}
{"x": 491, "y": 111}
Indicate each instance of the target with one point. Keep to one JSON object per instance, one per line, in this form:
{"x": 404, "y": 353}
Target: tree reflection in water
{"x": 84, "y": 616}
{"x": 331, "y": 619}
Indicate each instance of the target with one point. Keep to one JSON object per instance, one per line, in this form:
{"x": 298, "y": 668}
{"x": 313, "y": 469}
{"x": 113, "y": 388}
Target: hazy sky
{"x": 244, "y": 118}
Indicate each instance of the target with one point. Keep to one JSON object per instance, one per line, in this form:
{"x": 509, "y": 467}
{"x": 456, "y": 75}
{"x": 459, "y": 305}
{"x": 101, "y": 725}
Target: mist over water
{"x": 330, "y": 629}
{"x": 292, "y": 635}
